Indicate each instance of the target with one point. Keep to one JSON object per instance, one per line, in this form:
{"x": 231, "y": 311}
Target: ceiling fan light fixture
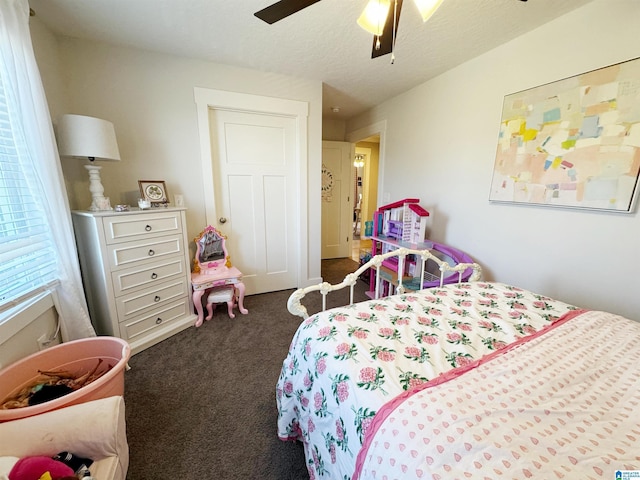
{"x": 374, "y": 16}
{"x": 427, "y": 7}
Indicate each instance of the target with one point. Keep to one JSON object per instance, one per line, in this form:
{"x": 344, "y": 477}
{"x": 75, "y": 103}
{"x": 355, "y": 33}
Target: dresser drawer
{"x": 164, "y": 316}
{"x": 125, "y": 254}
{"x": 135, "y": 303}
{"x": 132, "y": 279}
{"x": 133, "y": 227}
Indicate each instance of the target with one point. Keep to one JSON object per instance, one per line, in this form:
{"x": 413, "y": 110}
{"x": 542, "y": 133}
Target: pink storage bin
{"x": 77, "y": 357}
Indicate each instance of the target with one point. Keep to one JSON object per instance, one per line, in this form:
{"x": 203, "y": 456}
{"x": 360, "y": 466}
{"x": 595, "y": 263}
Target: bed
{"x": 466, "y": 380}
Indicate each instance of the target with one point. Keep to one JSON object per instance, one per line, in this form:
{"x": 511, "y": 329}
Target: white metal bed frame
{"x": 294, "y": 303}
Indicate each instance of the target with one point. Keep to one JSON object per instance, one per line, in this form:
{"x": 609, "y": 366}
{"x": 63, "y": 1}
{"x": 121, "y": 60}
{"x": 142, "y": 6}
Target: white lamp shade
{"x": 374, "y": 16}
{"x": 427, "y": 7}
{"x": 87, "y": 137}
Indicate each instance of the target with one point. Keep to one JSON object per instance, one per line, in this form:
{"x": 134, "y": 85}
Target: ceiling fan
{"x": 384, "y": 32}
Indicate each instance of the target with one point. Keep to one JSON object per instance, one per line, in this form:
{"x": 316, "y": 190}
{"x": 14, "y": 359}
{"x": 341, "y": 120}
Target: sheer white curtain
{"x": 34, "y": 122}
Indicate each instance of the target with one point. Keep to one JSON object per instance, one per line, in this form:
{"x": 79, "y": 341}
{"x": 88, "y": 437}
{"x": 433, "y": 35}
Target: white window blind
{"x": 27, "y": 254}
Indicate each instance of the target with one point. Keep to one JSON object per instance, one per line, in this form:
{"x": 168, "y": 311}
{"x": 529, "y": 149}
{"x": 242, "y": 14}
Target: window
{"x": 27, "y": 255}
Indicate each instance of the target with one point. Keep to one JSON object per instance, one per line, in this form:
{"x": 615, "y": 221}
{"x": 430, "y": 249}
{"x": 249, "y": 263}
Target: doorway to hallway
{"x": 365, "y": 192}
{"x": 360, "y": 248}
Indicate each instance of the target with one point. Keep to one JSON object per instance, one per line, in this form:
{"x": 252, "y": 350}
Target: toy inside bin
{"x": 77, "y": 357}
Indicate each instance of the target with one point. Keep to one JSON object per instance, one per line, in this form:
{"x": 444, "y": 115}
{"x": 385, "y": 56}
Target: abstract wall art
{"x": 572, "y": 143}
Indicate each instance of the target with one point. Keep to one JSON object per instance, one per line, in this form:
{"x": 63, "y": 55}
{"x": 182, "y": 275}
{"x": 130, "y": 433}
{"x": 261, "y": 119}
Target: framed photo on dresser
{"x": 154, "y": 191}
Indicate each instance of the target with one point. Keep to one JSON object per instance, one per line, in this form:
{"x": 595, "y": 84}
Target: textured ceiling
{"x": 321, "y": 42}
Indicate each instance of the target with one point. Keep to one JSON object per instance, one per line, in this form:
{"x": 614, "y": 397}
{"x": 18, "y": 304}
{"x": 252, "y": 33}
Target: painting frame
{"x": 155, "y": 191}
{"x": 572, "y": 143}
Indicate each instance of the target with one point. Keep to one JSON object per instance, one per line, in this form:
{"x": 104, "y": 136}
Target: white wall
{"x": 49, "y": 64}
{"x": 150, "y": 99}
{"x": 333, "y": 129}
{"x": 440, "y": 147}
{"x": 31, "y": 321}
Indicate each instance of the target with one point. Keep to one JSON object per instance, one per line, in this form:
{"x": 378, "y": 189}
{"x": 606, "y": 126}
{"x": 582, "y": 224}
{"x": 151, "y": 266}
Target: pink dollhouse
{"x": 404, "y": 220}
{"x": 404, "y": 224}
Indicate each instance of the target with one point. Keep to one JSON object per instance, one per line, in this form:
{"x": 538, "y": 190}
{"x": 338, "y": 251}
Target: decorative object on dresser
{"x": 93, "y": 139}
{"x": 135, "y": 267}
{"x": 154, "y": 192}
{"x": 213, "y": 274}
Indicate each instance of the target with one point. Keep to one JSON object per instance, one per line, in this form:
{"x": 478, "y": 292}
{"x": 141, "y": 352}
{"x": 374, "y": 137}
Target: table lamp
{"x": 93, "y": 139}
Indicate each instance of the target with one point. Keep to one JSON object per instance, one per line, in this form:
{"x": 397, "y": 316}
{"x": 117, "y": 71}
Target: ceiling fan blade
{"x": 282, "y": 9}
{"x": 386, "y": 39}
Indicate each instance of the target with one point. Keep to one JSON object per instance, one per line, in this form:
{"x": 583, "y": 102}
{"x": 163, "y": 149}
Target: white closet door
{"x": 254, "y": 175}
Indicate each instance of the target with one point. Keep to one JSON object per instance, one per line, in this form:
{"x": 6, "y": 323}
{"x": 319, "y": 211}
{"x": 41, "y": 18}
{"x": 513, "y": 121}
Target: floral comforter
{"x": 346, "y": 363}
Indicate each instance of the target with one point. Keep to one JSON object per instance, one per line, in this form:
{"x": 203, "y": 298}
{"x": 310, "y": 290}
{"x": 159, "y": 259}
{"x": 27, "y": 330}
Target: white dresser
{"x": 136, "y": 273}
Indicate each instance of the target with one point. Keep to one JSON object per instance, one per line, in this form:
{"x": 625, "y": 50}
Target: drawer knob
{"x": 151, "y": 253}
{"x": 158, "y": 321}
{"x": 157, "y": 299}
{"x": 148, "y": 228}
{"x": 154, "y": 276}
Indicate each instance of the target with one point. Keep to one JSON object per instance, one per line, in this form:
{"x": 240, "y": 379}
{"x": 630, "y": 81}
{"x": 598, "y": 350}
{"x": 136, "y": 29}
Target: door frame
{"x": 378, "y": 128}
{"x": 207, "y": 99}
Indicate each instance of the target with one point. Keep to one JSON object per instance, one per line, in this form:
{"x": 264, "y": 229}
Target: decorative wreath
{"x": 327, "y": 179}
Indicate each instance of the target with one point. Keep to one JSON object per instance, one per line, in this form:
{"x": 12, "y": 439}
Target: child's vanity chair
{"x": 213, "y": 274}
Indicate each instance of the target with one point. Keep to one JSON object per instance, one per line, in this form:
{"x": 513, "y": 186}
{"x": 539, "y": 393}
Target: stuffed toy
{"x": 36, "y": 468}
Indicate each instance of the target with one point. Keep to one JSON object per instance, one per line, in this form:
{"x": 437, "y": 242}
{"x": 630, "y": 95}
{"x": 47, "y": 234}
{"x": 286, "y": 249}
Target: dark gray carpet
{"x": 201, "y": 404}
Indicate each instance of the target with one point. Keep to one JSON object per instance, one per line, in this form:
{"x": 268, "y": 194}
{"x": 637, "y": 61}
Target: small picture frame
{"x": 154, "y": 191}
